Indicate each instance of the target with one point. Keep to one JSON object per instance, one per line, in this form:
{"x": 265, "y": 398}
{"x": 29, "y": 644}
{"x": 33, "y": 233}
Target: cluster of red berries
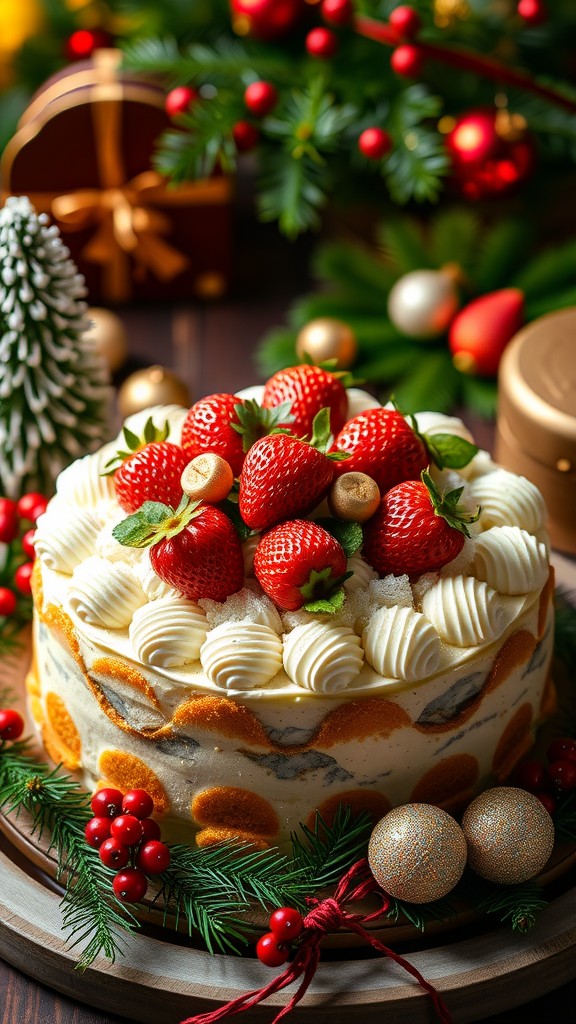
{"x": 11, "y": 725}
{"x": 15, "y": 517}
{"x": 285, "y": 924}
{"x": 553, "y": 780}
{"x": 128, "y": 839}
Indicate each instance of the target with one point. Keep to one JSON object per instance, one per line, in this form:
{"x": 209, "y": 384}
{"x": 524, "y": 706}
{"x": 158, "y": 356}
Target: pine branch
{"x": 432, "y": 384}
{"x": 354, "y": 272}
{"x": 454, "y": 238}
{"x": 517, "y": 905}
{"x": 548, "y": 272}
{"x": 418, "y": 162}
{"x": 402, "y": 244}
{"x": 195, "y": 153}
{"x": 500, "y": 252}
{"x": 293, "y": 192}
{"x": 325, "y": 852}
{"x": 418, "y": 914}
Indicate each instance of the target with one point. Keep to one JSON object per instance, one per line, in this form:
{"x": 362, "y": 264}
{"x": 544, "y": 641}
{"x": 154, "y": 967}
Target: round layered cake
{"x": 253, "y": 660}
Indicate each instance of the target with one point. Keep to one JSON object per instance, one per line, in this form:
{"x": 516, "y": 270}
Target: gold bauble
{"x": 510, "y": 835}
{"x": 423, "y": 303}
{"x": 108, "y": 334}
{"x": 327, "y": 338}
{"x": 153, "y": 386}
{"x": 417, "y": 853}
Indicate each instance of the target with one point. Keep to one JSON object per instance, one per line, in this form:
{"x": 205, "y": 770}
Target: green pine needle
{"x": 325, "y": 851}
{"x": 419, "y": 914}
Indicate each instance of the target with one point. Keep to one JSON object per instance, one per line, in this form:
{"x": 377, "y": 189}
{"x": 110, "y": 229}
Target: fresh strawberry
{"x": 229, "y": 426}
{"x": 308, "y": 389}
{"x": 299, "y": 563}
{"x": 416, "y": 529}
{"x": 149, "y": 470}
{"x": 383, "y": 445}
{"x": 194, "y": 549}
{"x": 284, "y": 477}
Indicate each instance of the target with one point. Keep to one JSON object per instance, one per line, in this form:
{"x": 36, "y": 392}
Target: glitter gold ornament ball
{"x": 327, "y": 338}
{"x": 509, "y": 833}
{"x": 108, "y": 334}
{"x": 417, "y": 853}
{"x": 154, "y": 385}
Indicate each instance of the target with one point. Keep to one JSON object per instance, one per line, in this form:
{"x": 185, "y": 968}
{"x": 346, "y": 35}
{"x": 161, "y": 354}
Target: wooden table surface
{"x": 211, "y": 348}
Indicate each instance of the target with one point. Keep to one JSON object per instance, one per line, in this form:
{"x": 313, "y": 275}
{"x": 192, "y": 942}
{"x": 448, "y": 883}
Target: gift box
{"x": 82, "y": 153}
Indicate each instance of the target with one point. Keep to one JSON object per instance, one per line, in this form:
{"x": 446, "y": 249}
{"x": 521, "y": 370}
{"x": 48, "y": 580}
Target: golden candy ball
{"x": 108, "y": 335}
{"x": 417, "y": 853}
{"x": 154, "y": 385}
{"x": 208, "y": 477}
{"x": 327, "y": 338}
{"x": 510, "y": 835}
{"x": 354, "y": 497}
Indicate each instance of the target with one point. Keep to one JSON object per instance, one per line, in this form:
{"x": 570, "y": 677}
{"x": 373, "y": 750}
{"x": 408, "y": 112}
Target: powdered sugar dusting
{"x": 245, "y": 606}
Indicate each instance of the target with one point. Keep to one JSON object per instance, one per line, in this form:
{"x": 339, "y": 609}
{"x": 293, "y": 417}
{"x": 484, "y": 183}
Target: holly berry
{"x": 337, "y": 12}
{"x": 265, "y": 19}
{"x": 82, "y": 43}
{"x": 107, "y": 802}
{"x": 286, "y": 924}
{"x": 406, "y": 21}
{"x": 298, "y": 562}
{"x": 149, "y": 469}
{"x": 23, "y": 578}
{"x": 270, "y": 951}
{"x": 150, "y": 830}
{"x": 533, "y": 12}
{"x": 547, "y": 801}
{"x": 382, "y": 444}
{"x": 32, "y": 505}
{"x": 307, "y": 389}
{"x": 11, "y": 724}
{"x": 127, "y": 829}
{"x": 260, "y": 98}
{"x": 374, "y": 143}
{"x": 96, "y": 831}
{"x": 562, "y": 775}
{"x": 179, "y": 100}
{"x": 153, "y": 858}
{"x": 114, "y": 853}
{"x": 407, "y": 60}
{"x": 246, "y": 136}
{"x": 130, "y": 885}
{"x": 138, "y": 803}
{"x": 8, "y": 602}
{"x": 531, "y": 775}
{"x": 321, "y": 43}
{"x": 562, "y": 749}
{"x": 28, "y": 544}
{"x": 8, "y": 521}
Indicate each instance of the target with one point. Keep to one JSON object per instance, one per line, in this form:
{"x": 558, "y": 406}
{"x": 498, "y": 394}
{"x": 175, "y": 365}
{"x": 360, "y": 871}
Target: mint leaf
{"x": 348, "y": 535}
{"x": 328, "y": 605}
{"x": 448, "y": 450}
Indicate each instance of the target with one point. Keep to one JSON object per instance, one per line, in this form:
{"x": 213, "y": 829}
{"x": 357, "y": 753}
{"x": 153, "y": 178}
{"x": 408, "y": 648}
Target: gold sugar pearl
{"x": 207, "y": 477}
{"x": 354, "y": 497}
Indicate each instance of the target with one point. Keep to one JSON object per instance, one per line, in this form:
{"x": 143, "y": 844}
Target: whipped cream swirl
{"x": 154, "y": 587}
{"x": 508, "y": 500}
{"x": 464, "y": 610}
{"x": 169, "y": 632}
{"x": 241, "y": 656}
{"x": 82, "y": 483}
{"x": 65, "y": 536}
{"x": 322, "y": 657}
{"x": 401, "y": 643}
{"x": 511, "y": 560}
{"x": 104, "y": 593}
{"x": 362, "y": 574}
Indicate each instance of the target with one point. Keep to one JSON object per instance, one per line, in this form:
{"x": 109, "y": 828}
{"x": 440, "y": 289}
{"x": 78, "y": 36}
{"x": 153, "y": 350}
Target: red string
{"x": 326, "y": 915}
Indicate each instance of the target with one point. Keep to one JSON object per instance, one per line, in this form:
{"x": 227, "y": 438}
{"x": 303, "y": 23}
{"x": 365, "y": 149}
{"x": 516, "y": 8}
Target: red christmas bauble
{"x": 406, "y": 21}
{"x": 407, "y": 60}
{"x": 321, "y": 43}
{"x": 374, "y": 143}
{"x": 473, "y": 138}
{"x": 82, "y": 43}
{"x": 480, "y": 332}
{"x": 486, "y": 160}
{"x": 260, "y": 98}
{"x": 245, "y": 135}
{"x": 179, "y": 100}
{"x": 337, "y": 12}
{"x": 265, "y": 19}
{"x": 533, "y": 12}
{"x": 8, "y": 602}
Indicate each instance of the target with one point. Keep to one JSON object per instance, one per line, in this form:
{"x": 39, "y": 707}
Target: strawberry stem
{"x": 134, "y": 443}
{"x": 447, "y": 505}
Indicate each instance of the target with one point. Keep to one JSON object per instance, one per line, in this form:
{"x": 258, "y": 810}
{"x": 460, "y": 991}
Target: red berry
{"x": 286, "y": 924}
{"x": 8, "y": 602}
{"x": 245, "y": 135}
{"x": 11, "y": 724}
{"x": 8, "y": 507}
{"x": 130, "y": 885}
{"x": 407, "y": 60}
{"x": 96, "y": 831}
{"x": 270, "y": 952}
{"x": 127, "y": 828}
{"x": 153, "y": 858}
{"x": 113, "y": 853}
{"x": 107, "y": 802}
{"x": 150, "y": 830}
{"x": 8, "y": 524}
{"x": 533, "y": 12}
{"x": 562, "y": 774}
{"x": 260, "y": 98}
{"x": 337, "y": 12}
{"x": 406, "y": 21}
{"x": 321, "y": 43}
{"x": 138, "y": 802}
{"x": 548, "y": 802}
{"x": 22, "y": 578}
{"x": 531, "y": 775}
{"x": 179, "y": 100}
{"x": 374, "y": 143}
{"x": 562, "y": 749}
{"x": 28, "y": 544}
{"x": 32, "y": 505}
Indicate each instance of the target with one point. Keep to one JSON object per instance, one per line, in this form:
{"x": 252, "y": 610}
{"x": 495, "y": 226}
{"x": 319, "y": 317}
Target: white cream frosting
{"x": 154, "y": 587}
{"x": 508, "y": 500}
{"x": 65, "y": 536}
{"x": 104, "y": 593}
{"x": 168, "y": 632}
{"x": 173, "y": 415}
{"x": 362, "y": 574}
{"x": 511, "y": 560}
{"x": 241, "y": 656}
{"x": 438, "y": 423}
{"x": 321, "y": 657}
{"x": 401, "y": 643}
{"x": 464, "y": 610}
{"x": 82, "y": 482}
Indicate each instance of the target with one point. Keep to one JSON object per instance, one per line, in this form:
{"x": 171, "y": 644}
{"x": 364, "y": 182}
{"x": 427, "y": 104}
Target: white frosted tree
{"x": 54, "y": 391}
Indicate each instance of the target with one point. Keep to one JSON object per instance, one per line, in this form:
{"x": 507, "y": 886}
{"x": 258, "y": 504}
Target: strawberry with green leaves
{"x": 308, "y": 389}
{"x": 416, "y": 529}
{"x": 194, "y": 549}
{"x": 284, "y": 477}
{"x": 300, "y": 564}
{"x": 149, "y": 469}
{"x": 228, "y": 426}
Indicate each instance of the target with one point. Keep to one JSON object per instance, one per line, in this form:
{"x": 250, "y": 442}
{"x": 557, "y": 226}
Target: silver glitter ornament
{"x": 510, "y": 835}
{"x": 423, "y": 303}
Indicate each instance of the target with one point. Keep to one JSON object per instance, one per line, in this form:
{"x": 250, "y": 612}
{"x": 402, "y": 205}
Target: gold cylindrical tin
{"x": 536, "y": 426}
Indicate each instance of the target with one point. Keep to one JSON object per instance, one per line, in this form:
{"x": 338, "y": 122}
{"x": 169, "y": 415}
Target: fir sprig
{"x": 419, "y": 914}
{"x": 326, "y": 851}
{"x": 517, "y": 905}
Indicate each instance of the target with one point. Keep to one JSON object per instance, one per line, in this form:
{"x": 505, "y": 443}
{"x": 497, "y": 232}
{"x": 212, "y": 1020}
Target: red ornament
{"x": 107, "y": 802}
{"x": 270, "y": 952}
{"x": 265, "y": 19}
{"x": 245, "y": 135}
{"x": 533, "y": 12}
{"x": 179, "y": 100}
{"x": 32, "y": 505}
{"x": 28, "y": 544}
{"x": 322, "y": 43}
{"x": 487, "y": 158}
{"x": 138, "y": 802}
{"x": 11, "y": 724}
{"x": 407, "y": 60}
{"x": 260, "y": 98}
{"x": 8, "y": 521}
{"x": 406, "y": 21}
{"x": 113, "y": 853}
{"x": 127, "y": 829}
{"x": 130, "y": 885}
{"x": 96, "y": 831}
{"x": 286, "y": 924}
{"x": 374, "y": 143}
{"x": 153, "y": 858}
{"x": 150, "y": 830}
{"x": 337, "y": 12}
{"x": 562, "y": 775}
{"x": 480, "y": 332}
{"x": 473, "y": 138}
{"x": 23, "y": 578}
{"x": 8, "y": 602}
{"x": 84, "y": 42}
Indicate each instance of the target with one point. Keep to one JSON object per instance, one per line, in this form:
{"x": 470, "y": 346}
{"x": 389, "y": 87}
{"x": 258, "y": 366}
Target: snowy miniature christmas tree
{"x": 54, "y": 393}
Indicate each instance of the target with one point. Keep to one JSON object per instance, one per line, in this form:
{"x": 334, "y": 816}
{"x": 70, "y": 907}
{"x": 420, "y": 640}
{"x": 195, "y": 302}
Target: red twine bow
{"x": 327, "y": 915}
